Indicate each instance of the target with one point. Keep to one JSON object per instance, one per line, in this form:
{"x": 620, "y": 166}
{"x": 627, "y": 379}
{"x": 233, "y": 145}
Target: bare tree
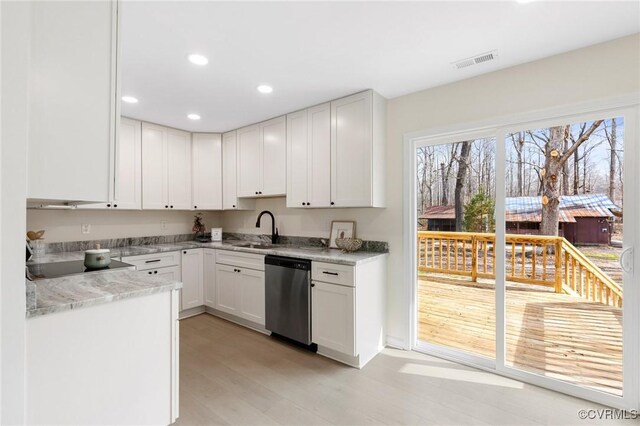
{"x": 612, "y": 137}
{"x": 463, "y": 165}
{"x": 555, "y": 158}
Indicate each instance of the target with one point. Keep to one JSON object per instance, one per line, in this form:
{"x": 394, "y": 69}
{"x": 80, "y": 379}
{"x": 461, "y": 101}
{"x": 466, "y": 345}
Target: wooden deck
{"x": 556, "y": 335}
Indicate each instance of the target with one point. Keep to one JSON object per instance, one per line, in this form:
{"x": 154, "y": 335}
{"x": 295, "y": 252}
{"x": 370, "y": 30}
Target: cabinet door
{"x": 319, "y": 165}
{"x": 172, "y": 273}
{"x": 351, "y": 151}
{"x": 297, "y": 159}
{"x": 333, "y": 317}
{"x": 229, "y": 158}
{"x": 249, "y": 162}
{"x": 251, "y": 286}
{"x": 72, "y": 85}
{"x": 227, "y": 297}
{"x": 209, "y": 277}
{"x": 192, "y": 279}
{"x": 154, "y": 167}
{"x": 128, "y": 177}
{"x": 179, "y": 169}
{"x": 274, "y": 156}
{"x": 206, "y": 160}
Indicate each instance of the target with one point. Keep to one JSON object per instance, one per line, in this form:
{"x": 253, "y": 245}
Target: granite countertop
{"x": 76, "y": 291}
{"x": 318, "y": 254}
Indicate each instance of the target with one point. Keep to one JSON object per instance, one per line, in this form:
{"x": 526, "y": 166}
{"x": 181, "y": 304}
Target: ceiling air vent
{"x": 478, "y": 59}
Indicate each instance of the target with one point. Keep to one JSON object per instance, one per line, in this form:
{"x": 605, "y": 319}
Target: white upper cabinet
{"x": 297, "y": 159}
{"x": 357, "y": 150}
{"x": 262, "y": 159}
{"x": 179, "y": 169}
{"x": 126, "y": 192}
{"x": 73, "y": 79}
{"x": 274, "y": 157}
{"x": 206, "y": 160}
{"x": 249, "y": 161}
{"x": 166, "y": 168}
{"x": 154, "y": 167}
{"x": 230, "y": 200}
{"x": 309, "y": 157}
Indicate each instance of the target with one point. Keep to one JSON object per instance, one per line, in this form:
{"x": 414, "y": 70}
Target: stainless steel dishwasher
{"x": 288, "y": 298}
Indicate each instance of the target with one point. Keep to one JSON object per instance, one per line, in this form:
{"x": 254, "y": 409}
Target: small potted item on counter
{"x": 97, "y": 258}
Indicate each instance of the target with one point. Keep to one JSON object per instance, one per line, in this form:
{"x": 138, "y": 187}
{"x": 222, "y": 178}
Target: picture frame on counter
{"x": 341, "y": 229}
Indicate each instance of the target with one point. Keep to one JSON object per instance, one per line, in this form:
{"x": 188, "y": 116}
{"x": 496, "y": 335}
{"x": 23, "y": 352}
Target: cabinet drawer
{"x": 333, "y": 273}
{"x": 154, "y": 261}
{"x": 242, "y": 260}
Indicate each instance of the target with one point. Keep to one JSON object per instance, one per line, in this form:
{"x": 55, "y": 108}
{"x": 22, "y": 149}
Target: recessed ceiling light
{"x": 130, "y": 99}
{"x": 264, "y": 88}
{"x": 193, "y": 117}
{"x": 524, "y": 1}
{"x": 194, "y": 58}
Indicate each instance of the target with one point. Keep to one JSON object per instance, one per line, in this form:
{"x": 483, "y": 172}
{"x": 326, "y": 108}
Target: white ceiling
{"x": 314, "y": 52}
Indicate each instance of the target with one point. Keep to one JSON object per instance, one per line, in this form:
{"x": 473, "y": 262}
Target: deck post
{"x": 474, "y": 259}
{"x": 558, "y": 265}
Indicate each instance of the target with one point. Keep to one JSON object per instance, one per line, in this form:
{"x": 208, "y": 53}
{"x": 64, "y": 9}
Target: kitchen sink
{"x": 263, "y": 246}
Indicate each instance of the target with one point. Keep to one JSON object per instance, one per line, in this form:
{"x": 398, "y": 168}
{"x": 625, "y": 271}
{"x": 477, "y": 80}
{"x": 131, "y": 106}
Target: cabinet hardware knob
{"x": 155, "y": 272}
{"x": 150, "y": 272}
{"x": 115, "y": 205}
{"x": 166, "y": 207}
{"x": 195, "y": 207}
{"x": 303, "y": 204}
{"x": 313, "y": 285}
{"x": 332, "y": 203}
{"x": 308, "y": 204}
{"x": 108, "y": 205}
{"x": 184, "y": 252}
{"x": 234, "y": 206}
{"x": 171, "y": 206}
{"x": 256, "y": 192}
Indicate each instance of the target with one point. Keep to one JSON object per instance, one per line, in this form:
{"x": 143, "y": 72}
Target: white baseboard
{"x": 396, "y": 343}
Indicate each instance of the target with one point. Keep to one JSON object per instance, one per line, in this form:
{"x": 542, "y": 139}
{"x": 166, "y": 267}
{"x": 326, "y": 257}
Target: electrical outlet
{"x": 86, "y": 228}
{"x": 163, "y": 225}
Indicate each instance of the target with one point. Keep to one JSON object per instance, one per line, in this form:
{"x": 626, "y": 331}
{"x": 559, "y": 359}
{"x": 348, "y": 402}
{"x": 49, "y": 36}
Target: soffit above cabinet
{"x": 312, "y": 52}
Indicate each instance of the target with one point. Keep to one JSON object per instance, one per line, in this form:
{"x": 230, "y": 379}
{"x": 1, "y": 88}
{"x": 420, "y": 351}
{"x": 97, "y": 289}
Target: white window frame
{"x": 625, "y": 106}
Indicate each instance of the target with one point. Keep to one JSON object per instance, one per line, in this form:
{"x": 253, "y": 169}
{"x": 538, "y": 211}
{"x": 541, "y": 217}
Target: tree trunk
{"x": 612, "y": 162}
{"x": 519, "y": 149}
{"x": 550, "y": 181}
{"x": 576, "y": 172}
{"x": 463, "y": 165}
{"x": 565, "y": 166}
{"x": 445, "y": 183}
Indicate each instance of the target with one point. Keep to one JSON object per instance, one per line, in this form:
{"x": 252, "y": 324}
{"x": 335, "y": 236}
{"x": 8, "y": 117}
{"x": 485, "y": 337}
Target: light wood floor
{"x": 556, "y": 335}
{"x": 233, "y": 375}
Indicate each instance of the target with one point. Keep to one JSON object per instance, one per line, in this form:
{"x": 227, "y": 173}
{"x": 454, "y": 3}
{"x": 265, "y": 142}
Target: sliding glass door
{"x": 523, "y": 259}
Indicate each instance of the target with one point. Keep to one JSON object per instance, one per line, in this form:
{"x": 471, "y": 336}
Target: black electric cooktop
{"x": 42, "y": 271}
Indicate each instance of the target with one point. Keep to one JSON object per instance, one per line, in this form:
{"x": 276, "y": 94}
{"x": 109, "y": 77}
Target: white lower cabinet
{"x": 239, "y": 290}
{"x": 209, "y": 278}
{"x": 226, "y": 290}
{"x": 251, "y": 284}
{"x": 333, "y": 317}
{"x": 192, "y": 279}
{"x": 348, "y": 310}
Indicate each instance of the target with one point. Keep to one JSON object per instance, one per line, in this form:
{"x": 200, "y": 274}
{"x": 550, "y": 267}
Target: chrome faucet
{"x": 274, "y": 230}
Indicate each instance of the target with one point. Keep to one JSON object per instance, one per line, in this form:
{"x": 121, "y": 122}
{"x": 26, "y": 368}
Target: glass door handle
{"x": 626, "y": 260}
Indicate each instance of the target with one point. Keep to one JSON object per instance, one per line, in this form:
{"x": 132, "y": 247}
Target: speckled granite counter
{"x": 75, "y": 291}
{"x": 317, "y": 254}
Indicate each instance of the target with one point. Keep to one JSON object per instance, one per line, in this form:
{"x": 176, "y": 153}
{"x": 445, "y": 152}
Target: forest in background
{"x": 580, "y": 158}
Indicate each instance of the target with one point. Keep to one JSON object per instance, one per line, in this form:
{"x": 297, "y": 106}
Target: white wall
{"x": 15, "y": 26}
{"x": 597, "y": 72}
{"x": 65, "y": 225}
